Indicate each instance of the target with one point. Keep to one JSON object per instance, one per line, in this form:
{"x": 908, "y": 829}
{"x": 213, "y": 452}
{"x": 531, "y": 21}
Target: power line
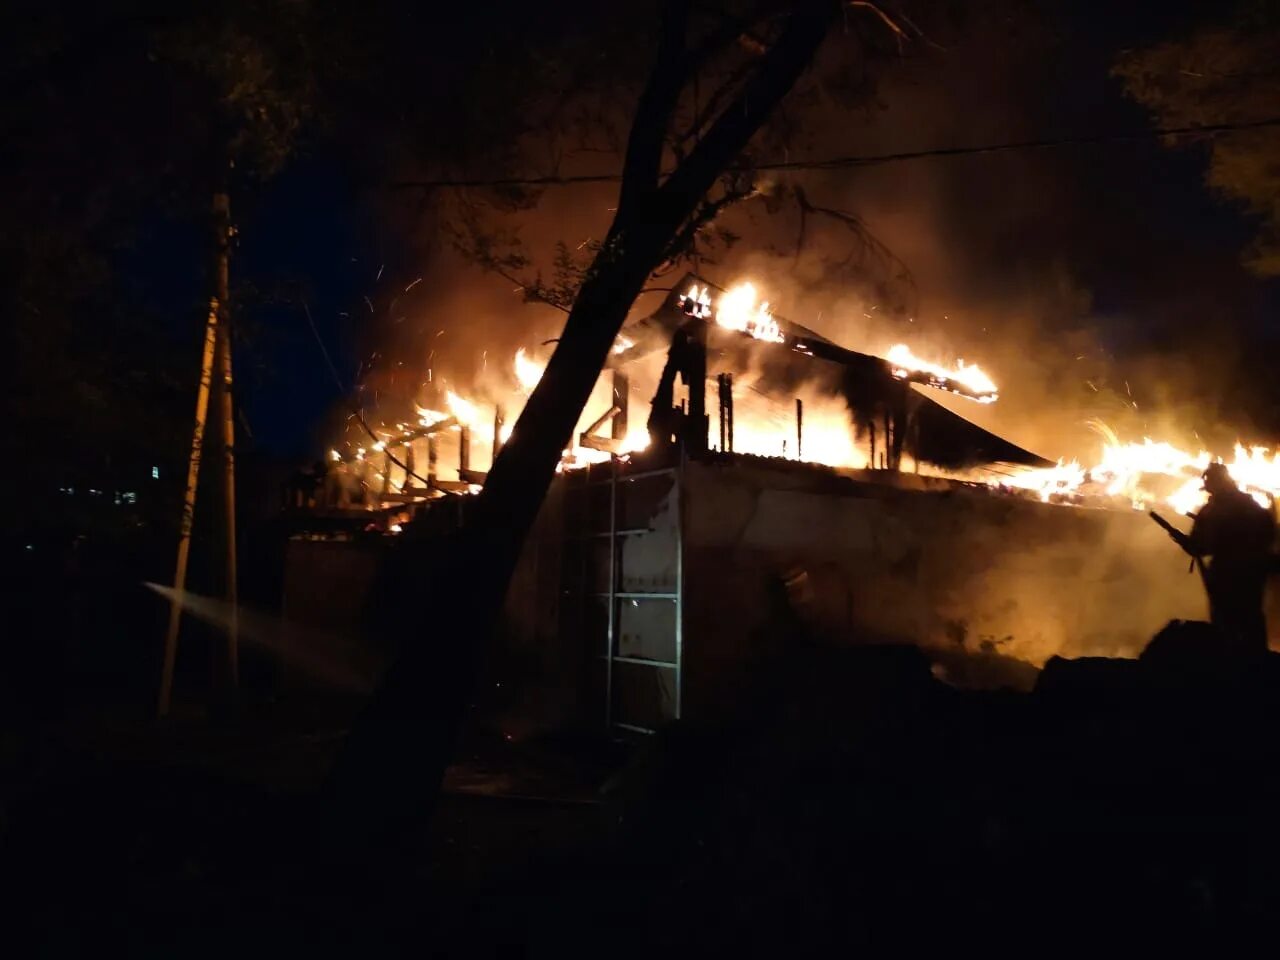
{"x": 836, "y": 163}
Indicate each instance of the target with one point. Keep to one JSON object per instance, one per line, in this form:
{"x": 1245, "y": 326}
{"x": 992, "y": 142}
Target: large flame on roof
{"x": 972, "y": 377}
{"x": 1153, "y": 473}
{"x": 739, "y": 309}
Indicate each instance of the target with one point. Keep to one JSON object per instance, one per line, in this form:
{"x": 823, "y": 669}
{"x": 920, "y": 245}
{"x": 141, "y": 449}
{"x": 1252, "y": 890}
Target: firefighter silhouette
{"x": 1232, "y": 537}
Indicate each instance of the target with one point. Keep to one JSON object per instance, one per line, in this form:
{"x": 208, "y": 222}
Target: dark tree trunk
{"x": 391, "y": 770}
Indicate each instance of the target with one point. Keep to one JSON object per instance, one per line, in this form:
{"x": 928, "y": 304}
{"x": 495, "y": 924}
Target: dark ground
{"x": 865, "y": 805}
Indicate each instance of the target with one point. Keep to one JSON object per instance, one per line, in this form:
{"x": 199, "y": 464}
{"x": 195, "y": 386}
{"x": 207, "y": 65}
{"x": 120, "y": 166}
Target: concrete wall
{"x": 942, "y": 565}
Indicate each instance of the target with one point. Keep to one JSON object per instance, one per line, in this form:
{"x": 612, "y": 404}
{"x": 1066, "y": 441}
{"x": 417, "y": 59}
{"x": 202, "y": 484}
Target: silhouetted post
{"x": 497, "y": 433}
{"x": 799, "y": 429}
{"x": 621, "y": 393}
{"x": 222, "y": 236}
{"x": 188, "y": 510}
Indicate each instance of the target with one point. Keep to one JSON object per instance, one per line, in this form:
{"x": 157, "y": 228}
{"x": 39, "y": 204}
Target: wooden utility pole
{"x": 188, "y": 509}
{"x": 217, "y": 352}
{"x": 222, "y": 246}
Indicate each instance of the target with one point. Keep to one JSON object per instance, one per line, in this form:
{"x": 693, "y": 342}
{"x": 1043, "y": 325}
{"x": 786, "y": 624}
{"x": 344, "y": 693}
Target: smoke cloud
{"x": 1091, "y": 283}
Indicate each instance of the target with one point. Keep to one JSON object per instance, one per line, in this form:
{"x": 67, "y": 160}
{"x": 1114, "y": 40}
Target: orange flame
{"x": 738, "y": 309}
{"x": 1150, "y": 473}
{"x": 528, "y": 370}
{"x": 973, "y": 378}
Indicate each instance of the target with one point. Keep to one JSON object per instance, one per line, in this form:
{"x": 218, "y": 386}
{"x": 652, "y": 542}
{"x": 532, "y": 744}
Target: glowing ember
{"x": 738, "y": 309}
{"x": 528, "y": 370}
{"x": 977, "y": 384}
{"x": 622, "y": 344}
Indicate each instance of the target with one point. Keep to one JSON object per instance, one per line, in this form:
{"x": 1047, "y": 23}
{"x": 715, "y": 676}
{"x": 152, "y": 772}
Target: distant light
{"x": 31, "y": 546}
{"x": 155, "y": 473}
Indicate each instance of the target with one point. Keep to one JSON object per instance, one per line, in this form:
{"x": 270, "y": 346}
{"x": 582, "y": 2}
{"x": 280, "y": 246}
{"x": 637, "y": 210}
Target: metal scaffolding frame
{"x": 615, "y": 717}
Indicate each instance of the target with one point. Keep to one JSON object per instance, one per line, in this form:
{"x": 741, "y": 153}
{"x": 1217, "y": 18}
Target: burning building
{"x": 780, "y": 484}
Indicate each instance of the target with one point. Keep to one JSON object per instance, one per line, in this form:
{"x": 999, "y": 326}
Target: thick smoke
{"x": 1061, "y": 272}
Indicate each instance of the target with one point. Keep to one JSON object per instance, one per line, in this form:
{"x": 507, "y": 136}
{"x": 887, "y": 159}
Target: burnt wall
{"x": 947, "y": 567}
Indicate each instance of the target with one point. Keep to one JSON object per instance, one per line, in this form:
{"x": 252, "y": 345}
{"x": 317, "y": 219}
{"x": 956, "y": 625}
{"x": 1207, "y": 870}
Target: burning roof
{"x": 791, "y": 393}
{"x": 872, "y": 387}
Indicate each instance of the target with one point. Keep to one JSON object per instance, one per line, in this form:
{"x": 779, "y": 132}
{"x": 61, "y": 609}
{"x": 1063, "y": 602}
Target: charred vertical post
{"x": 433, "y": 457}
{"x": 871, "y": 431}
{"x": 729, "y": 405}
{"x": 498, "y": 422}
{"x": 386, "y": 471}
{"x": 621, "y": 391}
{"x": 725, "y": 383}
{"x": 409, "y": 467}
{"x": 464, "y": 451}
{"x": 223, "y": 232}
{"x": 188, "y": 510}
{"x": 900, "y": 425}
{"x": 799, "y": 429}
{"x": 695, "y": 378}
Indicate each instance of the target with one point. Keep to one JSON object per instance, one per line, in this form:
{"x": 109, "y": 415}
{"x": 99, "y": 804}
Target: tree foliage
{"x": 1225, "y": 73}
{"x": 121, "y": 122}
{"x": 588, "y": 118}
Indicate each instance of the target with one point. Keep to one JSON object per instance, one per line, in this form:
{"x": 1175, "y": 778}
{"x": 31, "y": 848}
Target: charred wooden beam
{"x": 498, "y": 421}
{"x": 593, "y": 442}
{"x": 799, "y": 429}
{"x": 452, "y": 486}
{"x": 419, "y": 432}
{"x": 600, "y": 421}
{"x": 695, "y": 378}
{"x": 407, "y": 495}
{"x": 724, "y": 384}
{"x": 621, "y": 393}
